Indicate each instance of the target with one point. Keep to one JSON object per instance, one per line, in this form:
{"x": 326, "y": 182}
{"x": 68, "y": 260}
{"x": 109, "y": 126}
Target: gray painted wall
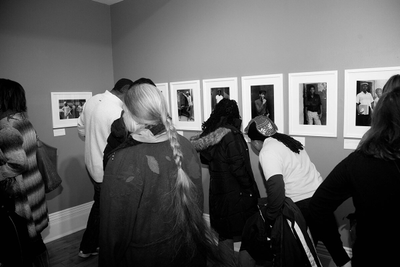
{"x": 57, "y": 46}
{"x": 81, "y": 45}
{"x": 180, "y": 40}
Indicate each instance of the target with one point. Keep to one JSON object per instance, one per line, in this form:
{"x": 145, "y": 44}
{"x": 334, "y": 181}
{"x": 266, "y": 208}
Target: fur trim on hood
{"x": 213, "y": 138}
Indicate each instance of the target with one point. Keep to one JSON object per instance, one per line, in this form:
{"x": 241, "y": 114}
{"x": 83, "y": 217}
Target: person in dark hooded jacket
{"x": 233, "y": 192}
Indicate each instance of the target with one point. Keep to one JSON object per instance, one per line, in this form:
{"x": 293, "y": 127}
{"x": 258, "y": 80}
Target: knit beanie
{"x": 260, "y": 128}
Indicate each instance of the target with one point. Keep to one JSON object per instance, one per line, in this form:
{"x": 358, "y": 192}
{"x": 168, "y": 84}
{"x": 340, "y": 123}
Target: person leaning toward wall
{"x": 289, "y": 173}
{"x": 151, "y": 208}
{"x": 371, "y": 176}
{"x": 23, "y": 208}
{"x": 233, "y": 190}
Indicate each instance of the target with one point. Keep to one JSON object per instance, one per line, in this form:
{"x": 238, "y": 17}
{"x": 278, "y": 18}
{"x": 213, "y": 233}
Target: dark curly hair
{"x": 225, "y": 112}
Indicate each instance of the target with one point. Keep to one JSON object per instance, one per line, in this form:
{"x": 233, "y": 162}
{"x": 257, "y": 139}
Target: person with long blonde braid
{"x": 152, "y": 196}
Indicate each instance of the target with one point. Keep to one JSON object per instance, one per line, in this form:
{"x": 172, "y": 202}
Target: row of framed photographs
{"x": 184, "y": 100}
{"x": 261, "y": 94}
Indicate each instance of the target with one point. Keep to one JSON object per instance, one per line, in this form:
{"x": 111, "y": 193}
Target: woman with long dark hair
{"x": 371, "y": 176}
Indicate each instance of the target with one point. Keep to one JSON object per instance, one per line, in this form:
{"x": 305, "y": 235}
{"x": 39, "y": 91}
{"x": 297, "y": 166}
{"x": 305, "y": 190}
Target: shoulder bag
{"x": 46, "y": 157}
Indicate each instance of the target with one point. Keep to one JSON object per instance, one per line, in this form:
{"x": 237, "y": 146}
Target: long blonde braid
{"x": 148, "y": 106}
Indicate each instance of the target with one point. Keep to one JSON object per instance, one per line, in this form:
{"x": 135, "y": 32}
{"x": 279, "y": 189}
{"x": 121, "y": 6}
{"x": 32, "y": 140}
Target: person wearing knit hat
{"x": 289, "y": 173}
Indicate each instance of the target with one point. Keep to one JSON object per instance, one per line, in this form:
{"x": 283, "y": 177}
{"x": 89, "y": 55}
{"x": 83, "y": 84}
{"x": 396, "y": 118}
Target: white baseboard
{"x": 66, "y": 222}
{"x": 69, "y": 221}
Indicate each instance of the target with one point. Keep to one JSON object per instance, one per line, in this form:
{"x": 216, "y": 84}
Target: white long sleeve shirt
{"x": 94, "y": 125}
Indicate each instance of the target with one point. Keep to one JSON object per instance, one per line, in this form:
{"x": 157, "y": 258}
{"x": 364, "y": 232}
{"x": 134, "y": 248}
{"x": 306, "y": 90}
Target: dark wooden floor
{"x": 63, "y": 252}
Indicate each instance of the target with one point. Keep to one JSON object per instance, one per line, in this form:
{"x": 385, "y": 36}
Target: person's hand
{"x": 264, "y": 100}
{"x": 320, "y": 115}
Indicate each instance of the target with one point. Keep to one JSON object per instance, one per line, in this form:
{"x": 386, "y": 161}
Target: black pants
{"x": 90, "y": 239}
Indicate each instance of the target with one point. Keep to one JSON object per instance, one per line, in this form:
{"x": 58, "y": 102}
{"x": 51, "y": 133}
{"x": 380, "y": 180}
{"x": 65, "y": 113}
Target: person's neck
{"x": 117, "y": 94}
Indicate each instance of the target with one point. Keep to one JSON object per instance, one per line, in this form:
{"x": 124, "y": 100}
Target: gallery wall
{"x": 57, "y": 46}
{"x": 184, "y": 40}
{"x": 81, "y": 45}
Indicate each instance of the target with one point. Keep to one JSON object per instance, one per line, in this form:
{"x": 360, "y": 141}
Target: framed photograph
{"x": 185, "y": 105}
{"x": 363, "y": 88}
{"x": 263, "y": 95}
{"x": 216, "y": 89}
{"x": 163, "y": 87}
{"x": 66, "y": 107}
{"x": 313, "y": 103}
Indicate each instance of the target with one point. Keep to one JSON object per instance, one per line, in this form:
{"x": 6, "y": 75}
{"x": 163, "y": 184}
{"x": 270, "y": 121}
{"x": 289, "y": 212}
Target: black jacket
{"x": 233, "y": 190}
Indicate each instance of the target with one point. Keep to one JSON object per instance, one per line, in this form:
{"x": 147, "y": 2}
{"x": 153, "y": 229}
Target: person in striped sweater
{"x": 22, "y": 191}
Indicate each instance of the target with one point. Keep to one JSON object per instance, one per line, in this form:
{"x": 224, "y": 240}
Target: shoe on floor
{"x": 86, "y": 255}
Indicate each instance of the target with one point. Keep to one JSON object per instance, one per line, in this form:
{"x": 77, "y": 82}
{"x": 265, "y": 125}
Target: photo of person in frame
{"x": 70, "y": 108}
{"x": 364, "y": 103}
{"x": 313, "y": 103}
{"x": 313, "y": 99}
{"x": 368, "y": 93}
{"x": 217, "y": 94}
{"x": 262, "y": 100}
{"x": 185, "y": 105}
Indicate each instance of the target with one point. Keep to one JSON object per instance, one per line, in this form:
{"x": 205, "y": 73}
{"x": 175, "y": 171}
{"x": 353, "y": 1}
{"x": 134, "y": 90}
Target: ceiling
{"x": 108, "y": 2}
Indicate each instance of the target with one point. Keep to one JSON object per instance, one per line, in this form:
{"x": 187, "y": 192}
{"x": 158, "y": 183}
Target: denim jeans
{"x": 90, "y": 239}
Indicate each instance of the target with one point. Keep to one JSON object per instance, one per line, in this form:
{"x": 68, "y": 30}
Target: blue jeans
{"x": 90, "y": 239}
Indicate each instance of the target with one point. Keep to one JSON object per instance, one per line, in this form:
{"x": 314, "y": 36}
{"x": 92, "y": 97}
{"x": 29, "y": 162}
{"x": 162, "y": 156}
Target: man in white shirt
{"x": 94, "y": 126}
{"x": 364, "y": 102}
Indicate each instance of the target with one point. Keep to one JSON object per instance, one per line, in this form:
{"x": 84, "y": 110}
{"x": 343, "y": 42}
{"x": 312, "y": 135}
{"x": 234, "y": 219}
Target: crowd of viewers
{"x": 148, "y": 188}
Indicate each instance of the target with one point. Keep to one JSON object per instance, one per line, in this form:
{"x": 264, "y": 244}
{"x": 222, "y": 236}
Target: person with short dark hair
{"x": 94, "y": 126}
{"x": 23, "y": 208}
{"x": 119, "y": 133}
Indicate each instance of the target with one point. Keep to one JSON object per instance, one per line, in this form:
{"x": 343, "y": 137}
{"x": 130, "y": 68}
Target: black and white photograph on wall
{"x": 363, "y": 88}
{"x": 71, "y": 108}
{"x": 262, "y": 99}
{"x": 368, "y": 94}
{"x": 185, "y": 105}
{"x": 214, "y": 90}
{"x": 66, "y": 107}
{"x": 217, "y": 94}
{"x": 263, "y": 95}
{"x": 313, "y": 103}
